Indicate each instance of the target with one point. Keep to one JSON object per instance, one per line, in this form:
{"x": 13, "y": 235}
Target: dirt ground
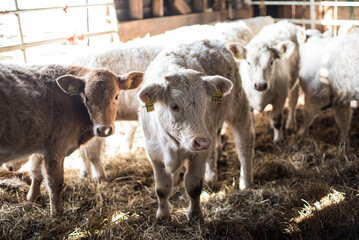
{"x": 306, "y": 189}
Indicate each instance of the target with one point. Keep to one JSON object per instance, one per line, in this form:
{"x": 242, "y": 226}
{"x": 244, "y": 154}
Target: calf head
{"x": 181, "y": 103}
{"x": 261, "y": 60}
{"x": 99, "y": 90}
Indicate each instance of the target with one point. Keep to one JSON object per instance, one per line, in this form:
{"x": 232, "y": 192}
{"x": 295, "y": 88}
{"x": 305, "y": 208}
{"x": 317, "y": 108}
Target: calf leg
{"x": 276, "y": 119}
{"x": 244, "y": 135}
{"x": 211, "y": 173}
{"x": 130, "y": 135}
{"x": 163, "y": 187}
{"x": 342, "y": 114}
{"x": 193, "y": 181}
{"x": 36, "y": 161}
{"x": 310, "y": 110}
{"x": 293, "y": 99}
{"x": 92, "y": 154}
{"x": 54, "y": 178}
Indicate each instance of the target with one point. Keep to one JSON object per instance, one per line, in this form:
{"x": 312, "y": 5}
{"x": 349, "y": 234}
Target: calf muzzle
{"x": 199, "y": 144}
{"x": 104, "y": 130}
{"x": 261, "y": 86}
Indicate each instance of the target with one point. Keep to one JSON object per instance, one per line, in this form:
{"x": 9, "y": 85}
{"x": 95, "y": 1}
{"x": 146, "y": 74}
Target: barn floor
{"x": 304, "y": 190}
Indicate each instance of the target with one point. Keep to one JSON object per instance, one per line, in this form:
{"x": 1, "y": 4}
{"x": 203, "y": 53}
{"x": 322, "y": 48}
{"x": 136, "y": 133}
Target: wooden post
{"x": 157, "y": 8}
{"x": 136, "y": 9}
{"x": 200, "y": 5}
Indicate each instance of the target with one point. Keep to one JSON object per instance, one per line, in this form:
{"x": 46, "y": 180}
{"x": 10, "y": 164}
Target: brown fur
{"x": 37, "y": 115}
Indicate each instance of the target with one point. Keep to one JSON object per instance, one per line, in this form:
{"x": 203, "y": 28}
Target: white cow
{"x": 182, "y": 128}
{"x": 329, "y": 78}
{"x": 137, "y": 55}
{"x": 269, "y": 72}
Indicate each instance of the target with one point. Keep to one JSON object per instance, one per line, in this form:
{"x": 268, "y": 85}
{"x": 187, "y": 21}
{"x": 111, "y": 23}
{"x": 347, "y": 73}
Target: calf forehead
{"x": 101, "y": 83}
{"x": 259, "y": 55}
{"x": 187, "y": 87}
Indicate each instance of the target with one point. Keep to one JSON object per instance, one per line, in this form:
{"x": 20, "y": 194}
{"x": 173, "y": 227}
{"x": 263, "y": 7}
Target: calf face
{"x": 262, "y": 60}
{"x": 182, "y": 103}
{"x": 99, "y": 90}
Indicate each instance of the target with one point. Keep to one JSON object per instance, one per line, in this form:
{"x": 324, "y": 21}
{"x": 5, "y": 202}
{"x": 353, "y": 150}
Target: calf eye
{"x": 271, "y": 62}
{"x": 248, "y": 63}
{"x": 175, "y": 108}
{"x": 87, "y": 99}
{"x": 116, "y": 97}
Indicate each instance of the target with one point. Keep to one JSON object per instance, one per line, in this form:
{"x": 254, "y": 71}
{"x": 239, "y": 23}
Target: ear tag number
{"x": 217, "y": 97}
{"x": 149, "y": 105}
{"x": 72, "y": 90}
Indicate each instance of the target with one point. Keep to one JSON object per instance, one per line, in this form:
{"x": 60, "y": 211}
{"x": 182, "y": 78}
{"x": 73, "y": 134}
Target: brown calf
{"x": 52, "y": 110}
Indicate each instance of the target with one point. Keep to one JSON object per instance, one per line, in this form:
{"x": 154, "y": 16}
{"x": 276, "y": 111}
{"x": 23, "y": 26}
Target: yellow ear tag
{"x": 282, "y": 55}
{"x": 72, "y": 90}
{"x": 129, "y": 86}
{"x": 238, "y": 56}
{"x": 149, "y": 105}
{"x": 217, "y": 97}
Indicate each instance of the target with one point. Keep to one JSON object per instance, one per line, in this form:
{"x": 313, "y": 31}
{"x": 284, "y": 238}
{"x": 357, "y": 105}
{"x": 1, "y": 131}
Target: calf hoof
{"x": 244, "y": 184}
{"x": 211, "y": 177}
{"x": 162, "y": 216}
{"x": 32, "y": 196}
{"x": 84, "y": 174}
{"x": 58, "y": 210}
{"x": 279, "y": 143}
{"x": 195, "y": 216}
{"x": 302, "y": 132}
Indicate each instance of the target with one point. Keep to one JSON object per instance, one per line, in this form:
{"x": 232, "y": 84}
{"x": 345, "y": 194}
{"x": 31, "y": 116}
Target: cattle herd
{"x": 194, "y": 79}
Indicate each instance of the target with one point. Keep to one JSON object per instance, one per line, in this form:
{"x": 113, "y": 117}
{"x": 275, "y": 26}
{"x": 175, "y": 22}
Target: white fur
{"x": 187, "y": 75}
{"x": 329, "y": 78}
{"x": 266, "y": 63}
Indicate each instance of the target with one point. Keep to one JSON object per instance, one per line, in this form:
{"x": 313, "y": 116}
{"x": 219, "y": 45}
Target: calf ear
{"x": 301, "y": 36}
{"x": 328, "y": 33}
{"x": 213, "y": 83}
{"x": 284, "y": 49}
{"x": 238, "y": 51}
{"x": 130, "y": 80}
{"x": 153, "y": 92}
{"x": 70, "y": 84}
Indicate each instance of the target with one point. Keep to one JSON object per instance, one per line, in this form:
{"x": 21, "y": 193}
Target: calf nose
{"x": 260, "y": 86}
{"x": 201, "y": 143}
{"x": 10, "y": 169}
{"x": 103, "y": 130}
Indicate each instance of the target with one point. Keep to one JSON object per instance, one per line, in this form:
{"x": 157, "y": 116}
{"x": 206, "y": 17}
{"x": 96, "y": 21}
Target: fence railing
{"x": 24, "y": 45}
{"x": 312, "y": 4}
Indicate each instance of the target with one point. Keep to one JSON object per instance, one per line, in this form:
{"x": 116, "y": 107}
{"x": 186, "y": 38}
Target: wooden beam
{"x": 200, "y": 5}
{"x": 181, "y": 7}
{"x": 157, "y": 8}
{"x": 136, "y": 9}
{"x": 139, "y": 28}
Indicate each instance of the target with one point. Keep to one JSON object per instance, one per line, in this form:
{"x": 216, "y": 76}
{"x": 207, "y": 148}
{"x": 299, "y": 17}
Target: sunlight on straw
{"x": 332, "y": 198}
{"x": 118, "y": 217}
{"x": 205, "y": 197}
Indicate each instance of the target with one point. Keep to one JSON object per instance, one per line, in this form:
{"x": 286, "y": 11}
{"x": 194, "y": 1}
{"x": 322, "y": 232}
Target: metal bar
{"x": 298, "y": 3}
{"x": 54, "y": 8}
{"x": 20, "y": 31}
{"x": 319, "y": 22}
{"x": 312, "y": 2}
{"x": 49, "y": 41}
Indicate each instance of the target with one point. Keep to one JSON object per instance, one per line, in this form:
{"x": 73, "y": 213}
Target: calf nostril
{"x": 108, "y": 131}
{"x": 98, "y": 131}
{"x": 265, "y": 86}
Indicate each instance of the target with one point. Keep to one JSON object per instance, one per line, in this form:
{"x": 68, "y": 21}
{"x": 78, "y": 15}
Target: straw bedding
{"x": 306, "y": 189}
